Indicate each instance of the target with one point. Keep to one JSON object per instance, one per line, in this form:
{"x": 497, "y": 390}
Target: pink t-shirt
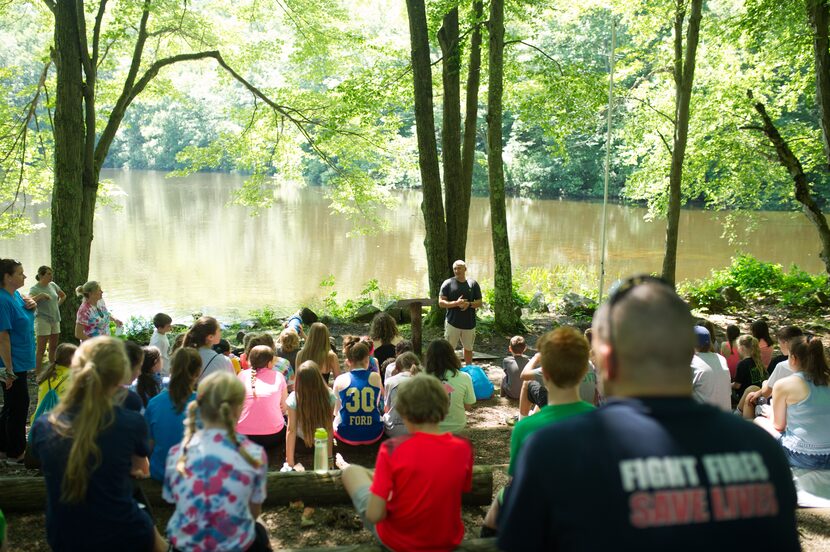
{"x": 262, "y": 415}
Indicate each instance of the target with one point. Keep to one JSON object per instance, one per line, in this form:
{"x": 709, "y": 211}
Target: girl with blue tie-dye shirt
{"x": 216, "y": 477}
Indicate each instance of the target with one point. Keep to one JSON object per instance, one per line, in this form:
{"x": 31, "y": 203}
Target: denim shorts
{"x": 807, "y": 461}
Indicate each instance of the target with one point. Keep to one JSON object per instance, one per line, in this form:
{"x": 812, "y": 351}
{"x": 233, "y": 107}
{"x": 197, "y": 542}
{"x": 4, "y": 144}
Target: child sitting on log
{"x": 409, "y": 503}
{"x": 216, "y": 477}
{"x": 358, "y": 414}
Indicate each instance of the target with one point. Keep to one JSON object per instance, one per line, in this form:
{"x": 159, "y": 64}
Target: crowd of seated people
{"x": 203, "y": 423}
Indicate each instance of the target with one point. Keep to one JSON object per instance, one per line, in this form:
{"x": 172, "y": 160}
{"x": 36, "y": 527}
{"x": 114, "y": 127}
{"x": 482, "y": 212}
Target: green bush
{"x": 138, "y": 329}
{"x": 520, "y": 298}
{"x": 758, "y": 281}
{"x": 369, "y": 295}
{"x": 266, "y": 317}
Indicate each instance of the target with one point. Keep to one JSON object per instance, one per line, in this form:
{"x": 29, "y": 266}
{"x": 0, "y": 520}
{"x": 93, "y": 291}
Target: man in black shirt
{"x": 461, "y": 297}
{"x": 652, "y": 469}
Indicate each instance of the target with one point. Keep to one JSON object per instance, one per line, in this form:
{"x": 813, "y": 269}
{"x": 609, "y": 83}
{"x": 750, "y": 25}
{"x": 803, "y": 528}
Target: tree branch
{"x": 96, "y": 31}
{"x": 529, "y": 45}
{"x": 648, "y": 104}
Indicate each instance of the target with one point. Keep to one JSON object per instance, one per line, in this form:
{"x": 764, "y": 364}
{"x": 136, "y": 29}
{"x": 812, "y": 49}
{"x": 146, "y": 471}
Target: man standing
{"x": 461, "y": 297}
{"x": 655, "y": 469}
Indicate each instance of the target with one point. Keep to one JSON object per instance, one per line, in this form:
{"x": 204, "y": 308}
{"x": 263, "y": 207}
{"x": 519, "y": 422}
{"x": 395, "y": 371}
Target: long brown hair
{"x": 185, "y": 367}
{"x": 199, "y": 332}
{"x": 440, "y": 359}
{"x": 217, "y": 399}
{"x": 99, "y": 365}
{"x": 317, "y": 346}
{"x": 313, "y": 404}
{"x": 812, "y": 360}
{"x": 383, "y": 328}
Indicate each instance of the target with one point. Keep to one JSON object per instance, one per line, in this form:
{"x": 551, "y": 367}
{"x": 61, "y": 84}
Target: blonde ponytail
{"x": 189, "y": 431}
{"x": 99, "y": 366}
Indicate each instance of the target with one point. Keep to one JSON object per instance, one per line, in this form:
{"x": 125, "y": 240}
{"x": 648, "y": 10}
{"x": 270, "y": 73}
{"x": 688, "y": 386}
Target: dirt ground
{"x": 487, "y": 429}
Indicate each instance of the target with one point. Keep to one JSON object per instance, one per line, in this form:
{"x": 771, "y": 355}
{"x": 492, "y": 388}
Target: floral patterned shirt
{"x": 212, "y": 497}
{"x": 95, "y": 320}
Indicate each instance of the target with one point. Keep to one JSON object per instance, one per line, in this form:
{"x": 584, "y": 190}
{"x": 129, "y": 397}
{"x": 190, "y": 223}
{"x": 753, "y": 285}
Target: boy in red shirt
{"x": 413, "y": 502}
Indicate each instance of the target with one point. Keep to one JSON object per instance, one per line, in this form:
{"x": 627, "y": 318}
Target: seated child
{"x": 165, "y": 412}
{"x": 388, "y": 365}
{"x": 310, "y": 406}
{"x": 288, "y": 345}
{"x": 413, "y": 499}
{"x": 54, "y": 378}
{"x": 563, "y": 354}
{"x": 406, "y": 366}
{"x": 281, "y": 365}
{"x": 135, "y": 354}
{"x": 263, "y": 412}
{"x": 148, "y": 383}
{"x": 162, "y": 324}
{"x": 358, "y": 391}
{"x": 224, "y": 348}
{"x": 236, "y": 468}
{"x": 511, "y": 383}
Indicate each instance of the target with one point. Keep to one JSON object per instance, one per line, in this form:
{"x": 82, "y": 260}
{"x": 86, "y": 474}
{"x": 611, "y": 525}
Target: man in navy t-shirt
{"x": 461, "y": 297}
{"x": 653, "y": 469}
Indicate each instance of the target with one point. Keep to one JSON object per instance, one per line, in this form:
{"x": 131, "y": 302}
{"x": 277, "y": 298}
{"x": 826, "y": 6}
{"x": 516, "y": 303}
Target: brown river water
{"x": 175, "y": 245}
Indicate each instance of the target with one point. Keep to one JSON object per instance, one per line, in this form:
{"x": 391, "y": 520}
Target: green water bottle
{"x": 321, "y": 450}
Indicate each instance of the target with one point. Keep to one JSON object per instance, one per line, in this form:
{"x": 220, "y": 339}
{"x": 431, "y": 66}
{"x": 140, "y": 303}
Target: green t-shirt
{"x": 547, "y": 415}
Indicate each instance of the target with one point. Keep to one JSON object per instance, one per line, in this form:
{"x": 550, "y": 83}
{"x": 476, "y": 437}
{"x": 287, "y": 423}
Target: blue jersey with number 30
{"x": 359, "y": 417}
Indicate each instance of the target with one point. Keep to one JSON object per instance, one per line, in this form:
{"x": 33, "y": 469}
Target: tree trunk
{"x": 819, "y": 15}
{"x": 684, "y": 72}
{"x": 468, "y": 151}
{"x": 451, "y": 132}
{"x": 504, "y": 309}
{"x": 67, "y": 243}
{"x": 802, "y": 187}
{"x": 435, "y": 240}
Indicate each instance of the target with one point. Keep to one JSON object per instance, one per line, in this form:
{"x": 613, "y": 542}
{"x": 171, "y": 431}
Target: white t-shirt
{"x": 781, "y": 371}
{"x": 160, "y": 342}
{"x": 711, "y": 380}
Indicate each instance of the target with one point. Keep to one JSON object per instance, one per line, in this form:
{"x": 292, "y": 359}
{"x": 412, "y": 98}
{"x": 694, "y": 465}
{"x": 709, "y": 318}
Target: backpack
{"x": 482, "y": 386}
{"x": 49, "y": 400}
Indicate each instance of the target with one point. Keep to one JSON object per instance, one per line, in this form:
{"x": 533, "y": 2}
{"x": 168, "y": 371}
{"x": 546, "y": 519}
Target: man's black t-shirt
{"x": 650, "y": 475}
{"x": 453, "y": 290}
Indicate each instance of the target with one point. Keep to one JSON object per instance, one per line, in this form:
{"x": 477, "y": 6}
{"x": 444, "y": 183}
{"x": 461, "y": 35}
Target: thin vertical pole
{"x": 607, "y": 158}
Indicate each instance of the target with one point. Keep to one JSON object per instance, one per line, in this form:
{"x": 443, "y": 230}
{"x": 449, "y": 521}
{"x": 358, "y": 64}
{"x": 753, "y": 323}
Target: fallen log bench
{"x": 28, "y": 493}
{"x": 471, "y": 545}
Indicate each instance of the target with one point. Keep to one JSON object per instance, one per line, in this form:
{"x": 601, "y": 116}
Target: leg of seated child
{"x": 745, "y": 407}
{"x": 524, "y": 401}
{"x": 357, "y": 480}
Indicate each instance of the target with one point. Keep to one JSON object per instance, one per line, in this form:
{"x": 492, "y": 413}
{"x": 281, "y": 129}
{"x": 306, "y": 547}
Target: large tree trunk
{"x": 506, "y": 318}
{"x": 468, "y": 148}
{"x": 435, "y": 241}
{"x": 802, "y": 187}
{"x": 684, "y": 72}
{"x": 819, "y": 15}
{"x": 451, "y": 132}
{"x": 67, "y": 211}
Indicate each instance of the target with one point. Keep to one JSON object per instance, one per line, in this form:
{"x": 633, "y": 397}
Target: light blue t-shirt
{"x": 19, "y": 321}
{"x": 166, "y": 429}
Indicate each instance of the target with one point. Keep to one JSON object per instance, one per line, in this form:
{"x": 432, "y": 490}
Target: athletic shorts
{"x": 537, "y": 393}
{"x": 44, "y": 327}
{"x": 360, "y": 500}
{"x": 453, "y": 335}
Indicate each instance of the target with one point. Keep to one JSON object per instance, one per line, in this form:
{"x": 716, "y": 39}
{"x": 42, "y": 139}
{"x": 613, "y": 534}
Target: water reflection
{"x": 176, "y": 246}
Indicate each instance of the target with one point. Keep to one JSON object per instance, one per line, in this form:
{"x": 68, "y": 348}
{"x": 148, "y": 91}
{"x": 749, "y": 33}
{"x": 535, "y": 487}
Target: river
{"x": 175, "y": 245}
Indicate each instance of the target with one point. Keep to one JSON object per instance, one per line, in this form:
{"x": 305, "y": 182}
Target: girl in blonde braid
{"x": 86, "y": 446}
{"x": 216, "y": 477}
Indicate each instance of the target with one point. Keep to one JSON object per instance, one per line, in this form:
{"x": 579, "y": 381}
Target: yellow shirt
{"x": 57, "y": 382}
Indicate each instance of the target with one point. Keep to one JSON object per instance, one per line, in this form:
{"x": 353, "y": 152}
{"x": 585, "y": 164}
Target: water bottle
{"x": 321, "y": 450}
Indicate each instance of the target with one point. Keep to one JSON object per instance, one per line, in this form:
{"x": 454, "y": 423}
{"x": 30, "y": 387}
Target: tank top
{"x": 732, "y": 360}
{"x": 359, "y": 419}
{"x": 807, "y": 429}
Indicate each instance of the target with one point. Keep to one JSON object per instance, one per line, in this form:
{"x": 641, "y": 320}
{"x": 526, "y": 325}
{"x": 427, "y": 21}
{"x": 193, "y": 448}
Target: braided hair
{"x": 218, "y": 398}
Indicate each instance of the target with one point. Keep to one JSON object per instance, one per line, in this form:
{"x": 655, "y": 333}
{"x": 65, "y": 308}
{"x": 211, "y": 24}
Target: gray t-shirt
{"x": 48, "y": 308}
{"x": 214, "y": 362}
{"x": 711, "y": 381}
{"x": 392, "y": 421}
